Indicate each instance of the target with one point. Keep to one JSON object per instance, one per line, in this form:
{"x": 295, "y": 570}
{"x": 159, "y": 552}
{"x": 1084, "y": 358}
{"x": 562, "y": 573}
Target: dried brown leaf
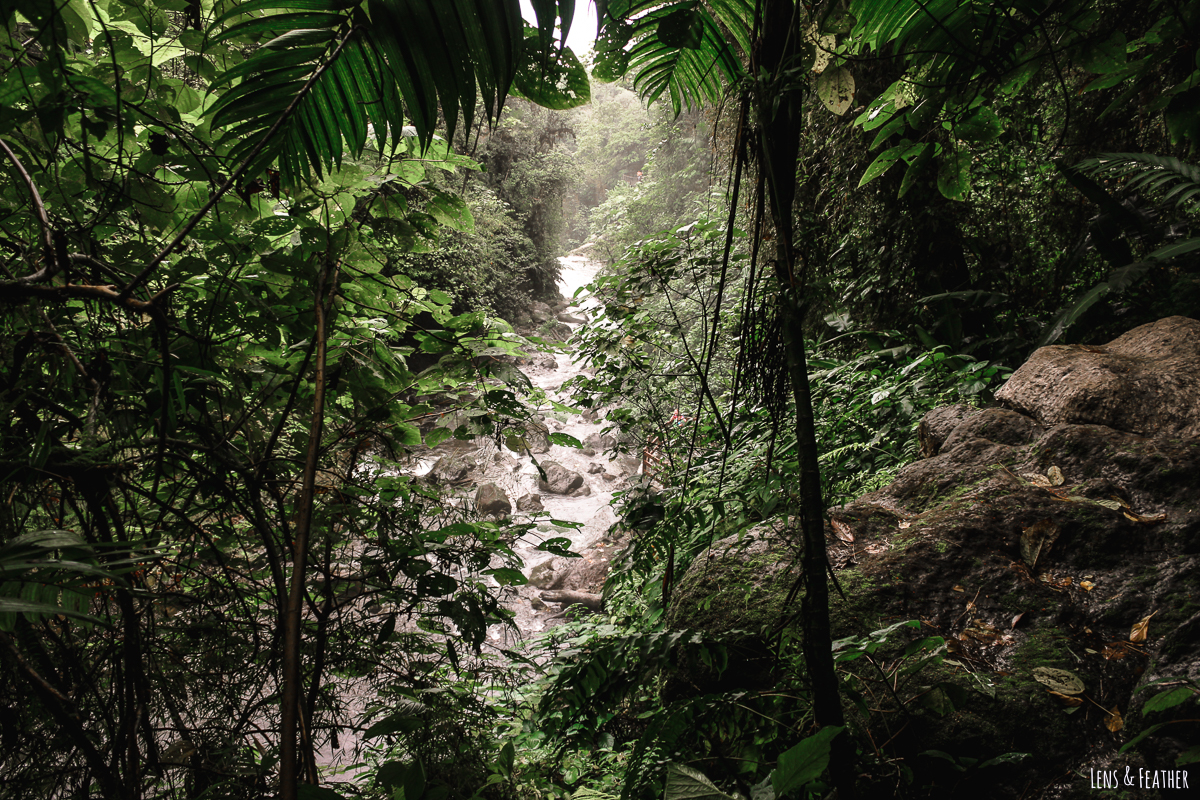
{"x": 1036, "y": 540}
{"x": 1067, "y": 700}
{"x": 1141, "y": 629}
{"x": 1114, "y": 722}
{"x": 1114, "y": 651}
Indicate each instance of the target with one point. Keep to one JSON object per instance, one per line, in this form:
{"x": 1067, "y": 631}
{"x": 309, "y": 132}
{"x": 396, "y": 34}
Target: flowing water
{"x": 517, "y": 476}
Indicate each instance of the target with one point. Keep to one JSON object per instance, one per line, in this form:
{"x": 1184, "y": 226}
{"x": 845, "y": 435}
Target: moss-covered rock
{"x": 1026, "y": 546}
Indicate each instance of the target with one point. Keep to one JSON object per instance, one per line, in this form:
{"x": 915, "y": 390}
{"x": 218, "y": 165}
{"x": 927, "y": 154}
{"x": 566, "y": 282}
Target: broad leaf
{"x": 804, "y": 763}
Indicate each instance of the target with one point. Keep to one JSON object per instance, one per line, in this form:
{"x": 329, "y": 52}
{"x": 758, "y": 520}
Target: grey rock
{"x": 595, "y": 469}
{"x": 600, "y": 442}
{"x": 452, "y": 469}
{"x": 559, "y": 479}
{"x": 571, "y": 318}
{"x": 1146, "y": 382}
{"x": 557, "y": 331}
{"x": 536, "y": 440}
{"x": 628, "y": 465}
{"x": 491, "y": 500}
{"x": 530, "y": 503}
{"x": 546, "y": 575}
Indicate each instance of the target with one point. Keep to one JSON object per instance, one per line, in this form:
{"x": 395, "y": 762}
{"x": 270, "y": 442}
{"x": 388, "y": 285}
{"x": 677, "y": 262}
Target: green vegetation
{"x": 251, "y": 248}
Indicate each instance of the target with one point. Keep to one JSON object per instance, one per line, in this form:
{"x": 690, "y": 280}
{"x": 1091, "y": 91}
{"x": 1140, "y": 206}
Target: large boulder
{"x": 937, "y": 425}
{"x": 1036, "y": 539}
{"x": 1145, "y": 382}
{"x": 492, "y": 501}
{"x": 556, "y": 331}
{"x": 559, "y": 479}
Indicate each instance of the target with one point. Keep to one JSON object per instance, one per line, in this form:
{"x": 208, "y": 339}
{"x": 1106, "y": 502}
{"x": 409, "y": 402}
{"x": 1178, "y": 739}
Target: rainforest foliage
{"x": 253, "y": 248}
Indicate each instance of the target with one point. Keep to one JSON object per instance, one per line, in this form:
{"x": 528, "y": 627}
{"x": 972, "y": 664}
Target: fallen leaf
{"x": 1114, "y": 651}
{"x": 842, "y": 531}
{"x": 1110, "y": 504}
{"x": 1015, "y": 620}
{"x": 1087, "y": 586}
{"x": 1055, "y": 475}
{"x": 1059, "y": 680}
{"x": 1036, "y": 479}
{"x": 1067, "y": 700}
{"x": 904, "y": 525}
{"x": 959, "y": 589}
{"x": 1141, "y": 629}
{"x": 1036, "y": 540}
{"x": 1114, "y": 722}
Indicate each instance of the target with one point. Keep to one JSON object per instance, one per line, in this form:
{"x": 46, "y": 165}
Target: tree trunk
{"x": 780, "y": 116}
{"x": 290, "y": 694}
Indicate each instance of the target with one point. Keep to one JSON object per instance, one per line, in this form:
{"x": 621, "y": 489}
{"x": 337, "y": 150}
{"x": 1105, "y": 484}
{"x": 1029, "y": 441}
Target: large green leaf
{"x": 559, "y": 83}
{"x": 804, "y": 763}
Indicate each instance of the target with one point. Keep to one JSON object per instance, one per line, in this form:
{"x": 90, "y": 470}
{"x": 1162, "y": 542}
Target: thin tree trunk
{"x": 780, "y": 121}
{"x": 290, "y": 702}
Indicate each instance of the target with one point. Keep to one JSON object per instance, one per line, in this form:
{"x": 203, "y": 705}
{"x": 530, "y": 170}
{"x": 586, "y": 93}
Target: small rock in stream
{"x": 559, "y": 479}
{"x": 530, "y": 503}
{"x": 452, "y": 468}
{"x": 491, "y": 500}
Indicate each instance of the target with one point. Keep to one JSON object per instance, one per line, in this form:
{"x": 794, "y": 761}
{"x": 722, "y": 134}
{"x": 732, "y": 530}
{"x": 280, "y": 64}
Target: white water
{"x": 518, "y": 476}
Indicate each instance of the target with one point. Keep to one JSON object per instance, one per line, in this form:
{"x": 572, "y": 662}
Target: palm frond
{"x": 681, "y": 49}
{"x": 328, "y": 71}
{"x": 1174, "y": 181}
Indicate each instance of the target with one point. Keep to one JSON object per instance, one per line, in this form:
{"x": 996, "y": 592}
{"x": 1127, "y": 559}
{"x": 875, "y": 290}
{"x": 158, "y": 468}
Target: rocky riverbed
{"x": 578, "y": 487}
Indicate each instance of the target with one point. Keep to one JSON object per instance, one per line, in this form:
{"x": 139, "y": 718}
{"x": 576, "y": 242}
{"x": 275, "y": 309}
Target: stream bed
{"x": 604, "y": 474}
